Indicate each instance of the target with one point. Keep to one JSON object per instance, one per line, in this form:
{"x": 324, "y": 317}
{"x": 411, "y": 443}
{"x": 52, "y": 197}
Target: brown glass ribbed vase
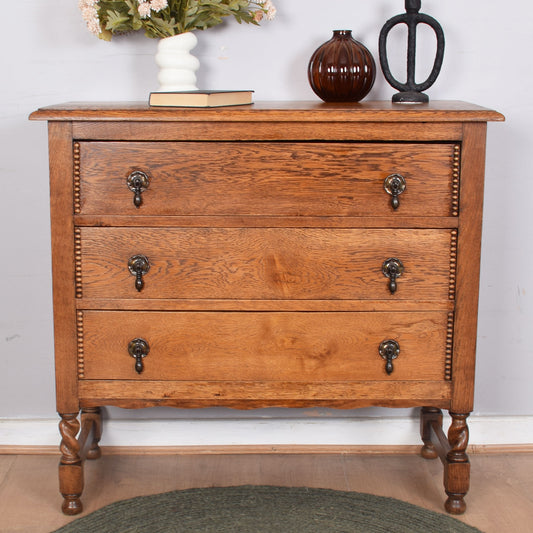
{"x": 342, "y": 69}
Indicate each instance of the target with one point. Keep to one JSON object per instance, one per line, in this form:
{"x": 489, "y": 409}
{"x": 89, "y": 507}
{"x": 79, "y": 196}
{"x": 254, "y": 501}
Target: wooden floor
{"x": 500, "y": 499}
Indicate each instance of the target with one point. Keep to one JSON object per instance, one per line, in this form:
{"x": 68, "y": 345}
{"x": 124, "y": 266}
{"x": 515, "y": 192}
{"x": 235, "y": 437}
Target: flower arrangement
{"x": 165, "y": 18}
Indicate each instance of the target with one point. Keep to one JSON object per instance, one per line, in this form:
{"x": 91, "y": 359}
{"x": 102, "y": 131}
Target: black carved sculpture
{"x": 411, "y": 91}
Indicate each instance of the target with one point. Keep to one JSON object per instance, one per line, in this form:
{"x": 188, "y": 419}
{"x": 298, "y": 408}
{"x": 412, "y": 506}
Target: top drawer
{"x": 272, "y": 178}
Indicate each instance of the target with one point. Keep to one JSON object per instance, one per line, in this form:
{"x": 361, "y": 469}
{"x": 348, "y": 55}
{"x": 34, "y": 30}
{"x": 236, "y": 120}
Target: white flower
{"x": 89, "y": 14}
{"x": 144, "y": 9}
{"x": 108, "y": 18}
{"x": 158, "y": 5}
{"x": 94, "y": 26}
{"x": 270, "y": 9}
{"x": 147, "y": 6}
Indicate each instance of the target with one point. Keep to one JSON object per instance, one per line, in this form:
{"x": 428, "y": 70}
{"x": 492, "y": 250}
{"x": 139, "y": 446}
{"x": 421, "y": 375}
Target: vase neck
{"x": 342, "y": 33}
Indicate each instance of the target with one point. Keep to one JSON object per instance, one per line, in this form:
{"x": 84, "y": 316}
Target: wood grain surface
{"x": 437, "y": 111}
{"x": 266, "y": 227}
{"x": 265, "y": 263}
{"x": 136, "y": 394}
{"x": 248, "y": 346}
{"x": 298, "y": 179}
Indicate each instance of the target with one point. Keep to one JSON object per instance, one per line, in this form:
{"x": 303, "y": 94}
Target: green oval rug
{"x": 255, "y": 509}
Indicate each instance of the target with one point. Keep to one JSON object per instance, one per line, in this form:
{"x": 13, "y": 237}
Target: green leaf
{"x": 132, "y": 7}
{"x": 121, "y": 16}
{"x": 162, "y": 27}
{"x": 105, "y": 35}
{"x": 115, "y": 20}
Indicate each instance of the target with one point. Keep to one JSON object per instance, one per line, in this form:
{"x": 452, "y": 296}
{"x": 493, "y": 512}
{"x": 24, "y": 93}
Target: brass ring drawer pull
{"x": 138, "y": 182}
{"x": 395, "y": 185}
{"x": 138, "y": 265}
{"x": 389, "y": 350}
{"x": 392, "y": 268}
{"x": 138, "y": 349}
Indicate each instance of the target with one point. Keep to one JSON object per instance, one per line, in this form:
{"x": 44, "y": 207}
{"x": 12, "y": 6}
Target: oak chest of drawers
{"x": 291, "y": 255}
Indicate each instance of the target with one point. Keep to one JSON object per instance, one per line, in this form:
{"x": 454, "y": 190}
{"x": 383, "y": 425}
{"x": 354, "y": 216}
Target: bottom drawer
{"x": 263, "y": 346}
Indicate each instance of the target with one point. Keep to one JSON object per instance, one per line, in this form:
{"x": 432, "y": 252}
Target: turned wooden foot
{"x": 91, "y": 417}
{"x": 429, "y": 416}
{"x": 70, "y": 465}
{"x": 457, "y": 465}
{"x": 455, "y": 503}
{"x": 452, "y": 452}
{"x": 79, "y": 440}
{"x": 71, "y": 504}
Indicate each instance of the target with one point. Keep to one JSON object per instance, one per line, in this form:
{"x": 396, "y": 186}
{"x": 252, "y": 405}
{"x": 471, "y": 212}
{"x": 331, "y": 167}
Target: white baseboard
{"x": 393, "y": 431}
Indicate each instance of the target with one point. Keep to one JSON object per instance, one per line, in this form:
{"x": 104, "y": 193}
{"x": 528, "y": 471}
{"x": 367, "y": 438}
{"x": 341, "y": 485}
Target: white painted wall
{"x": 48, "y": 57}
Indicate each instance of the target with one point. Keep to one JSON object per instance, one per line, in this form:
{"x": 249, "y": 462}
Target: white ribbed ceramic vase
{"x": 177, "y": 66}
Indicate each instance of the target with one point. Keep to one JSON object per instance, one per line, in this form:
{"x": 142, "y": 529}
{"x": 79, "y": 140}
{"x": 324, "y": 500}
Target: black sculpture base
{"x": 410, "y": 97}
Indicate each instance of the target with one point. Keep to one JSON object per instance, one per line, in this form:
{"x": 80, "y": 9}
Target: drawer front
{"x": 255, "y": 346}
{"x": 265, "y": 263}
{"x": 292, "y": 179}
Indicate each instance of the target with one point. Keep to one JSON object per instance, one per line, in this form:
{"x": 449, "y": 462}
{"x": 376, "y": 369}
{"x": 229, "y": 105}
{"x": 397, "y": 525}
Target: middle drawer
{"x": 266, "y": 263}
